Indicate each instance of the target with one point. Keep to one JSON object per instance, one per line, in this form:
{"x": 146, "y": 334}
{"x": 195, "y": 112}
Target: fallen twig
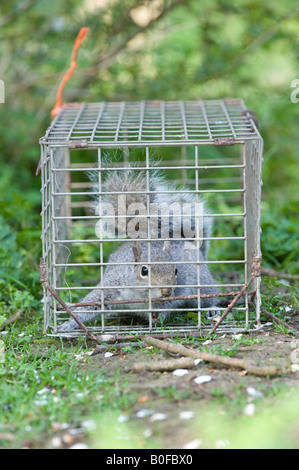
{"x": 107, "y": 338}
{"x": 153, "y": 299}
{"x": 12, "y": 319}
{"x": 280, "y": 322}
{"x": 44, "y": 281}
{"x": 167, "y": 364}
{"x": 7, "y": 436}
{"x": 273, "y": 273}
{"x": 255, "y": 272}
{"x": 224, "y": 360}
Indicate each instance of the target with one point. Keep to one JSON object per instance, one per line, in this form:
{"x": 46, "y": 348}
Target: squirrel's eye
{"x": 144, "y": 271}
{"x": 176, "y": 272}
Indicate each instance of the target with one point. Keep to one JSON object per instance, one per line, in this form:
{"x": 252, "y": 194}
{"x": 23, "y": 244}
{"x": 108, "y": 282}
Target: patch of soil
{"x": 170, "y": 395}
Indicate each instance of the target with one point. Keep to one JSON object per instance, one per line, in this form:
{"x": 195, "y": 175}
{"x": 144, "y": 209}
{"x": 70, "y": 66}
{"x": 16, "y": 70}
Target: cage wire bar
{"x": 186, "y": 126}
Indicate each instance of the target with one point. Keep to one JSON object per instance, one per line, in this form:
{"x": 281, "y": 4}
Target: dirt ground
{"x": 171, "y": 402}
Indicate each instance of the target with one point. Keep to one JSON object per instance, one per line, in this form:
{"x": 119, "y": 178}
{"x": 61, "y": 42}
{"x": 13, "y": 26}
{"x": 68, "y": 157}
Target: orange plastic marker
{"x": 81, "y": 35}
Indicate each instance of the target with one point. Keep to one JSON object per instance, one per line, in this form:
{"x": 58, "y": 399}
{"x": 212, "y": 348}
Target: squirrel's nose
{"x": 166, "y": 292}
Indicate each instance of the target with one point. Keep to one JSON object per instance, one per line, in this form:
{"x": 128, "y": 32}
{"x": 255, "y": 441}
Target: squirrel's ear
{"x": 166, "y": 246}
{"x": 137, "y": 250}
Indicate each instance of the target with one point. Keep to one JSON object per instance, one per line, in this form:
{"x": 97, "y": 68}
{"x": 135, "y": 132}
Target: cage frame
{"x": 235, "y": 125}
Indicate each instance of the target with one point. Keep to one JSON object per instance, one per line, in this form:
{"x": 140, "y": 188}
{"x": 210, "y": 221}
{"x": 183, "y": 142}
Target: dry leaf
{"x": 68, "y": 439}
{"x": 143, "y": 399}
{"x": 55, "y": 426}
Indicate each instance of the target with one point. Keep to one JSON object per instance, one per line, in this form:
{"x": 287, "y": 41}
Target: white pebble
{"x": 147, "y": 433}
{"x": 122, "y": 418}
{"x": 237, "y": 336}
{"x": 197, "y": 361}
{"x": 108, "y": 354}
{"x": 193, "y": 444}
{"x": 144, "y": 413}
{"x": 294, "y": 367}
{"x": 249, "y": 409}
{"x": 158, "y": 417}
{"x": 180, "y": 372}
{"x": 41, "y": 402}
{"x": 208, "y": 341}
{"x": 56, "y": 442}
{"x": 42, "y": 391}
{"x": 75, "y": 431}
{"x": 202, "y": 379}
{"x": 79, "y": 445}
{"x": 254, "y": 393}
{"x": 79, "y": 356}
{"x": 89, "y": 424}
{"x": 220, "y": 444}
{"x": 65, "y": 425}
{"x": 186, "y": 414}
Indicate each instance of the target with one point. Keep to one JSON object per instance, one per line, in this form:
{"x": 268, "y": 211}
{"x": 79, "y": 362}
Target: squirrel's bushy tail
{"x": 129, "y": 191}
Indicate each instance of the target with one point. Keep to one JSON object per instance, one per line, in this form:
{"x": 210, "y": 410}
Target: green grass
{"x": 274, "y": 427}
{"x": 45, "y": 381}
{"x": 43, "y": 385}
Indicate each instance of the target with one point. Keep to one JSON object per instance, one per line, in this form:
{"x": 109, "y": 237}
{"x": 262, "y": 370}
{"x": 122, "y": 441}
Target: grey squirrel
{"x": 137, "y": 267}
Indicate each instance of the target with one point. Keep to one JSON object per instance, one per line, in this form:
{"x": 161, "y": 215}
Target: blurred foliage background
{"x": 138, "y": 49}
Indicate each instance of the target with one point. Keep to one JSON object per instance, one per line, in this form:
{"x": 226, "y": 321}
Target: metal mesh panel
{"x": 212, "y": 148}
{"x": 151, "y": 122}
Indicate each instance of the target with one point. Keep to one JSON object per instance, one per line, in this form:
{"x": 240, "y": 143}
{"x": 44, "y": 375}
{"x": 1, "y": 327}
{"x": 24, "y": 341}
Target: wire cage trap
{"x": 207, "y": 150}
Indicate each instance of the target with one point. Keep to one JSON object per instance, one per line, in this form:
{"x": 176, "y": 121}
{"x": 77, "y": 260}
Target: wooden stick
{"x": 224, "y": 360}
{"x": 154, "y": 299}
{"x": 167, "y": 364}
{"x": 12, "y": 319}
{"x": 256, "y": 270}
{"x": 273, "y": 273}
{"x": 7, "y": 436}
{"x": 108, "y": 338}
{"x": 277, "y": 320}
{"x": 43, "y": 277}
